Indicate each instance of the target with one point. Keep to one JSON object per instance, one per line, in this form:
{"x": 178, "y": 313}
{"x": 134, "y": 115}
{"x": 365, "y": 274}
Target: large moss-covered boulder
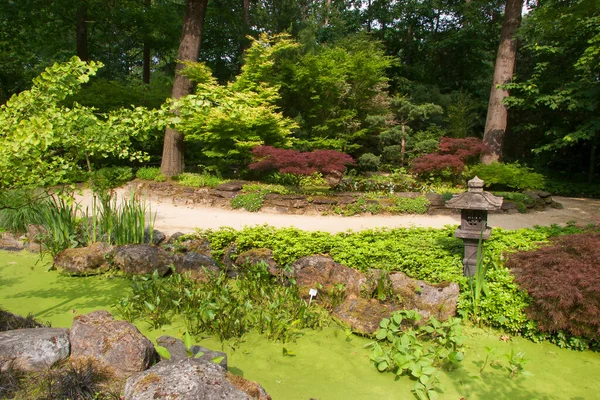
{"x": 89, "y": 260}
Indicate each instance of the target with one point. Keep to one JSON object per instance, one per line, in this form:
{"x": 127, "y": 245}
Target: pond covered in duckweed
{"x": 326, "y": 364}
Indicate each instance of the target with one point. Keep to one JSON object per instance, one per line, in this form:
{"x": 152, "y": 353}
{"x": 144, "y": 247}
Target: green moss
{"x": 328, "y": 364}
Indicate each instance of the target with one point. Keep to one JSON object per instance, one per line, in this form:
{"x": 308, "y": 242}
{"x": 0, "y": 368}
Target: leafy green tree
{"x": 406, "y": 113}
{"x": 227, "y": 121}
{"x": 43, "y": 141}
{"x": 560, "y": 93}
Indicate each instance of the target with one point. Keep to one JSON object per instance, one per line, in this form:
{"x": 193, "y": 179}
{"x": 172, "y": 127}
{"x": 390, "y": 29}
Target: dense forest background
{"x": 379, "y": 80}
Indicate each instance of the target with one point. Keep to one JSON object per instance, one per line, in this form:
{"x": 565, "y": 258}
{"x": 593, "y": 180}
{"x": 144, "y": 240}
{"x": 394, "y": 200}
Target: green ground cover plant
{"x": 108, "y": 178}
{"x": 433, "y": 255}
{"x": 252, "y": 202}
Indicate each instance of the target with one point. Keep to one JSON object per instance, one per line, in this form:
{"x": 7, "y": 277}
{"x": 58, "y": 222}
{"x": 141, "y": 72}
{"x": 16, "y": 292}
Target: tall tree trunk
{"x": 495, "y": 124}
{"x": 81, "y": 40}
{"x": 146, "y": 70}
{"x": 189, "y": 48}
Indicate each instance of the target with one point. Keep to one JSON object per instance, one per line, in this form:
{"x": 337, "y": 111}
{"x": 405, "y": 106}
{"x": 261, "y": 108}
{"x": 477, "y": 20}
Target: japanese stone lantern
{"x": 474, "y": 206}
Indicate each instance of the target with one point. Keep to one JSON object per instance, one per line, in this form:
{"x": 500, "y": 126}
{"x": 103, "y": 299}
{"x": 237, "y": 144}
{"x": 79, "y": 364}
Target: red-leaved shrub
{"x": 451, "y": 156}
{"x": 299, "y": 163}
{"x": 563, "y": 280}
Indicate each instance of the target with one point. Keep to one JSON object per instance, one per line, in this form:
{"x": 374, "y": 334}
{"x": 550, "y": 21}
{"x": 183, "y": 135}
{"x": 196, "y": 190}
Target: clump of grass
{"x": 10, "y": 321}
{"x": 20, "y": 208}
{"x": 252, "y": 202}
{"x": 198, "y": 180}
{"x": 81, "y": 382}
{"x": 150, "y": 174}
{"x": 10, "y": 380}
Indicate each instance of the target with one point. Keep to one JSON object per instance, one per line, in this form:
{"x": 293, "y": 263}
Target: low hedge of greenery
{"x": 433, "y": 255}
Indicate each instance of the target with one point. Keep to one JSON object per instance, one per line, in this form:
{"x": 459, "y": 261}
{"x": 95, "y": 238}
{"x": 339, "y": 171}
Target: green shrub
{"x": 198, "y": 180}
{"x": 521, "y": 200}
{"x": 150, "y": 174}
{"x": 406, "y": 205}
{"x": 369, "y": 162}
{"x": 500, "y": 175}
{"x": 572, "y": 189}
{"x": 261, "y": 187}
{"x": 110, "y": 177}
{"x": 252, "y": 202}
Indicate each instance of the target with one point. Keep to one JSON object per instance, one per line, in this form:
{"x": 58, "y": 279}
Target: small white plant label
{"x": 312, "y": 293}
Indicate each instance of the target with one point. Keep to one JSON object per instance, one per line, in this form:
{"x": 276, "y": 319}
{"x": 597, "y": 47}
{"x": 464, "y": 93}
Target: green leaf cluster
{"x": 514, "y": 176}
{"x": 404, "y": 348}
{"x": 42, "y": 140}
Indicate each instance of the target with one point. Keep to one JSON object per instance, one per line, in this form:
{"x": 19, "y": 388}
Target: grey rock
{"x": 428, "y": 300}
{"x": 33, "y": 349}
{"x": 84, "y": 260}
{"x": 313, "y": 270}
{"x": 543, "y": 194}
{"x": 435, "y": 199}
{"x": 178, "y": 351}
{"x": 363, "y": 315}
{"x": 182, "y": 380}
{"x": 508, "y": 205}
{"x": 199, "y": 266}
{"x": 256, "y": 256}
{"x": 142, "y": 259}
{"x": 157, "y": 236}
{"x": 174, "y": 237}
{"x": 116, "y": 345}
{"x": 231, "y": 186}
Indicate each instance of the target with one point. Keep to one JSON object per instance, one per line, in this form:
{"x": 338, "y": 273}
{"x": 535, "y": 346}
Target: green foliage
{"x": 127, "y": 222}
{"x": 407, "y": 205}
{"x": 109, "y": 178}
{"x": 198, "y": 180}
{"x": 227, "y": 122}
{"x": 369, "y": 162}
{"x": 502, "y": 175}
{"x": 20, "y": 208}
{"x": 42, "y": 141}
{"x": 261, "y": 187}
{"x": 521, "y": 200}
{"x": 226, "y": 308}
{"x": 404, "y": 348}
{"x": 398, "y": 181}
{"x": 359, "y": 206}
{"x": 572, "y": 189}
{"x": 150, "y": 174}
{"x": 252, "y": 202}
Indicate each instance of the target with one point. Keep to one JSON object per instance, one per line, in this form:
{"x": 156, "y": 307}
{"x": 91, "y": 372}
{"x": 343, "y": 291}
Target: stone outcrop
{"x": 116, "y": 345}
{"x": 178, "y": 351}
{"x": 199, "y": 266}
{"x": 363, "y": 315}
{"x": 88, "y": 260}
{"x": 257, "y": 256}
{"x": 183, "y": 380}
{"x": 34, "y": 349}
{"x": 429, "y": 300}
{"x": 312, "y": 271}
{"x": 142, "y": 259}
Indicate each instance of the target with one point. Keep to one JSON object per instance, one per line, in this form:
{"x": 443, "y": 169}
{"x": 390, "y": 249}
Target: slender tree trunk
{"x": 403, "y": 145}
{"x": 146, "y": 71}
{"x": 81, "y": 41}
{"x": 495, "y": 124}
{"x": 327, "y": 12}
{"x": 189, "y": 48}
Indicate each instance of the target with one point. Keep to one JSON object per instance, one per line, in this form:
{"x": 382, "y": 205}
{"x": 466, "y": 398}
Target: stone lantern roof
{"x": 475, "y": 198}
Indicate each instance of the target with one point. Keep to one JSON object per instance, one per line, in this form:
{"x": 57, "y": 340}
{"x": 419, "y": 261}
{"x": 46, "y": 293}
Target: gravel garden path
{"x": 172, "y": 218}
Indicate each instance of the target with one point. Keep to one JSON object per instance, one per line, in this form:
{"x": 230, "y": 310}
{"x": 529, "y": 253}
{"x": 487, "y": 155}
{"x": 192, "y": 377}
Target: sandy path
{"x": 172, "y": 218}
